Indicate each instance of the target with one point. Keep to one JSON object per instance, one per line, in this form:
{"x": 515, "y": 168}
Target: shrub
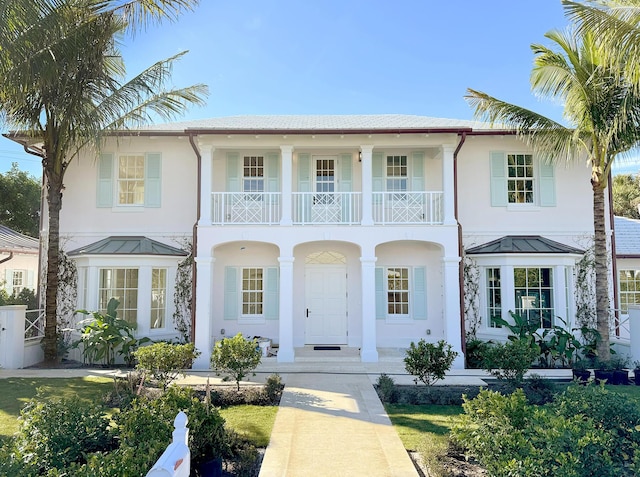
{"x": 428, "y": 362}
{"x": 273, "y": 388}
{"x": 510, "y": 361}
{"x": 475, "y": 350}
{"x": 235, "y": 357}
{"x": 539, "y": 390}
{"x": 386, "y": 389}
{"x": 164, "y": 361}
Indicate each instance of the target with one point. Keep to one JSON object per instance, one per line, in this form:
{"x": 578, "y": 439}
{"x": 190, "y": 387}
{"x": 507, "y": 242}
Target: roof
{"x": 523, "y": 244}
{"x": 136, "y": 245}
{"x": 13, "y": 241}
{"x": 335, "y": 123}
{"x": 627, "y": 237}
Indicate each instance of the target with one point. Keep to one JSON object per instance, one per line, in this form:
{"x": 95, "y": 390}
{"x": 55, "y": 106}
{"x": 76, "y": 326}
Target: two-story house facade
{"x": 327, "y": 230}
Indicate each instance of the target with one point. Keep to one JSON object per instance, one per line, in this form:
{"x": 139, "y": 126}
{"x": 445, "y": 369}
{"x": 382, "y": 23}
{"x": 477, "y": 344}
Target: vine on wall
{"x": 471, "y": 275}
{"x": 182, "y": 297}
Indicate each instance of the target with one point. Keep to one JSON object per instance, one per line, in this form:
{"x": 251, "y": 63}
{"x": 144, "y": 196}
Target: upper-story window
{"x": 253, "y": 174}
{"x": 396, "y": 173}
{"x": 629, "y": 289}
{"x": 131, "y": 180}
{"x": 18, "y": 281}
{"x": 520, "y": 178}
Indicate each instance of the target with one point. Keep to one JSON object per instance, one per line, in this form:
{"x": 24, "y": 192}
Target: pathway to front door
{"x": 326, "y": 305}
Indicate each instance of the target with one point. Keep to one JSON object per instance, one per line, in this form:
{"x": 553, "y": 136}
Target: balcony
{"x": 255, "y": 208}
{"x": 326, "y": 208}
{"x": 407, "y": 208}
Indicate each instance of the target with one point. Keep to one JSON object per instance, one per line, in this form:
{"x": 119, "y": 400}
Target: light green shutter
{"x": 498, "y": 179}
{"x": 272, "y": 173}
{"x": 345, "y": 186}
{"x": 381, "y": 298}
{"x": 417, "y": 172}
{"x": 104, "y": 190}
{"x": 231, "y": 297}
{"x": 233, "y": 172}
{"x": 304, "y": 185}
{"x": 419, "y": 293}
{"x": 377, "y": 169}
{"x": 547, "y": 185}
{"x": 152, "y": 179}
{"x": 271, "y": 294}
{"x": 8, "y": 280}
{"x": 30, "y": 283}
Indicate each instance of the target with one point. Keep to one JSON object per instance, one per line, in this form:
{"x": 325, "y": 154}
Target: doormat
{"x": 326, "y": 348}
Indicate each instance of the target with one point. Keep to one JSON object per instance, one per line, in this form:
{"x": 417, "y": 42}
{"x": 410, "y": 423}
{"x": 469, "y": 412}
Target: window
{"x": 494, "y": 302}
{"x": 533, "y": 289}
{"x": 252, "y": 291}
{"x": 131, "y": 180}
{"x": 325, "y": 181}
{"x": 397, "y": 291}
{"x": 397, "y": 174}
{"x": 520, "y": 178}
{"x": 629, "y": 289}
{"x": 17, "y": 281}
{"x": 121, "y": 284}
{"x": 158, "y": 297}
{"x": 253, "y": 176}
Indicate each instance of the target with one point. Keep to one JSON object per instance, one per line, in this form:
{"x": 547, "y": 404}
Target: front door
{"x": 326, "y": 304}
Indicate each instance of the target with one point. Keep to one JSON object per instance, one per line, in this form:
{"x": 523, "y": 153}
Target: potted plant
{"x": 603, "y": 371}
{"x": 620, "y": 371}
{"x": 580, "y": 370}
{"x": 636, "y": 373}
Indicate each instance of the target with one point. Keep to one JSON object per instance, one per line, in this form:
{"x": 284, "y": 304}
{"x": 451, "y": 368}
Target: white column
{"x": 369, "y": 351}
{"x": 286, "y": 353}
{"x": 206, "y": 168}
{"x": 366, "y": 153}
{"x": 452, "y": 327}
{"x": 560, "y": 296}
{"x": 287, "y": 178}
{"x": 203, "y": 329}
{"x": 448, "y": 188}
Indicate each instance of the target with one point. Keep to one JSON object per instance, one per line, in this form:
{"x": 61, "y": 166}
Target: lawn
{"x": 252, "y": 422}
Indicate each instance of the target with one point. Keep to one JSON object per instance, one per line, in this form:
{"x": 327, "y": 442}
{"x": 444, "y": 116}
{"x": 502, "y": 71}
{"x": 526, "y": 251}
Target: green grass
{"x": 414, "y": 423}
{"x": 253, "y": 422}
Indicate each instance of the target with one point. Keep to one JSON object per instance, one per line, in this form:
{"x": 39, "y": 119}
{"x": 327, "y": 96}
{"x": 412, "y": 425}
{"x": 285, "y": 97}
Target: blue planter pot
{"x": 212, "y": 468}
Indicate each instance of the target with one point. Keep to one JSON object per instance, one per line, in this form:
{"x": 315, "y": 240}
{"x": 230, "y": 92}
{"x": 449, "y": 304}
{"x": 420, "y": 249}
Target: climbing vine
{"x": 183, "y": 296}
{"x": 471, "y": 276}
{"x": 67, "y": 291}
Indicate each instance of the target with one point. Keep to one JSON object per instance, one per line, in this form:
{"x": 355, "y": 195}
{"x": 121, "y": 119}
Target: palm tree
{"x": 603, "y": 113}
{"x": 63, "y": 87}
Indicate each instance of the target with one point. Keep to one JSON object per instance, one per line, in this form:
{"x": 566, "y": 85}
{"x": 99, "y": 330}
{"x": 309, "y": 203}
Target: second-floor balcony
{"x": 327, "y": 208}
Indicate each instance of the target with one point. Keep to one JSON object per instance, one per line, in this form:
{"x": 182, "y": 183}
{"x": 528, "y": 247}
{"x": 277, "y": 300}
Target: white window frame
{"x": 162, "y": 296}
{"x": 394, "y": 179}
{"x": 491, "y": 289}
{"x": 18, "y": 276}
{"x": 139, "y": 195}
{"x": 398, "y": 317}
{"x": 251, "y": 318}
{"x": 528, "y": 301}
{"x": 122, "y": 310}
{"x": 253, "y": 174}
{"x": 635, "y": 280}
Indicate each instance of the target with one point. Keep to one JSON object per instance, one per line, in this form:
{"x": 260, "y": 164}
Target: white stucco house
{"x": 18, "y": 261}
{"x": 328, "y": 230}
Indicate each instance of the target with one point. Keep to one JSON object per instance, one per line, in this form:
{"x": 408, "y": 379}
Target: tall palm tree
{"x": 603, "y": 113}
{"x": 63, "y": 87}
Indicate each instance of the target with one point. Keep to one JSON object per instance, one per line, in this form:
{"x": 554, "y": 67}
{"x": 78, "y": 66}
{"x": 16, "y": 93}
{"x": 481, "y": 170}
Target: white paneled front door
{"x": 326, "y": 304}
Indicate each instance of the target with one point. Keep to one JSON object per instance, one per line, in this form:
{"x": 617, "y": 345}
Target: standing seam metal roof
{"x": 135, "y": 245}
{"x": 523, "y": 244}
{"x": 10, "y": 240}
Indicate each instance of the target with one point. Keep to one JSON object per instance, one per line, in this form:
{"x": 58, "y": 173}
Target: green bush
{"x": 273, "y": 388}
{"x": 386, "y": 389}
{"x": 474, "y": 352}
{"x": 428, "y": 362}
{"x": 235, "y": 357}
{"x": 165, "y": 361}
{"x": 511, "y": 360}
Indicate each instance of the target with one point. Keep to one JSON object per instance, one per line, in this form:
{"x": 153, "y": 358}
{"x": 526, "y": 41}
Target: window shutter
{"x": 377, "y": 168}
{"x": 498, "y": 179}
{"x": 231, "y": 293}
{"x": 104, "y": 189}
{"x": 381, "y": 299}
{"x": 8, "y": 279}
{"x": 271, "y": 295}
{"x": 30, "y": 282}
{"x": 547, "y": 185}
{"x": 304, "y": 173}
{"x": 233, "y": 172}
{"x": 419, "y": 301}
{"x": 272, "y": 172}
{"x": 417, "y": 172}
{"x": 345, "y": 172}
{"x": 152, "y": 179}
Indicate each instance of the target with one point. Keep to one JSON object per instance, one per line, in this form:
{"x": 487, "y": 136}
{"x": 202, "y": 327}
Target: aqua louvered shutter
{"x": 346, "y": 179}
{"x": 104, "y": 190}
{"x": 381, "y": 294}
{"x": 498, "y": 179}
{"x": 152, "y": 179}
{"x": 271, "y": 294}
{"x": 30, "y": 281}
{"x": 233, "y": 172}
{"x": 272, "y": 172}
{"x": 417, "y": 172}
{"x": 419, "y": 301}
{"x": 377, "y": 170}
{"x": 231, "y": 297}
{"x": 547, "y": 185}
{"x": 304, "y": 185}
{"x": 8, "y": 280}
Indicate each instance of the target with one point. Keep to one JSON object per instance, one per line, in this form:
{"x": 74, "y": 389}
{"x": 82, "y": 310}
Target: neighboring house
{"x": 18, "y": 261}
{"x": 627, "y": 241}
{"x": 328, "y": 230}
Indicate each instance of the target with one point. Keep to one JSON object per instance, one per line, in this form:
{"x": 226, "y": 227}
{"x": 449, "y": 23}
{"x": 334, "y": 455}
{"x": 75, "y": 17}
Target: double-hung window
{"x": 533, "y": 290}
{"x": 397, "y": 176}
{"x": 121, "y": 284}
{"x": 398, "y": 292}
{"x": 158, "y": 298}
{"x": 629, "y": 289}
{"x": 18, "y": 281}
{"x": 252, "y": 292}
{"x": 131, "y": 180}
{"x": 520, "y": 181}
{"x": 325, "y": 181}
{"x": 253, "y": 177}
{"x": 494, "y": 296}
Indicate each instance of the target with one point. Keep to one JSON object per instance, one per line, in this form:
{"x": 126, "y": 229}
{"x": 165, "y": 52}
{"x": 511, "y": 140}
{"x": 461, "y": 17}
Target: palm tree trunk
{"x": 54, "y": 203}
{"x": 602, "y": 271}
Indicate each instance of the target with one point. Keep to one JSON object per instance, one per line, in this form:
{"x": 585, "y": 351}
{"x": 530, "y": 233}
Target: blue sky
{"x": 347, "y": 56}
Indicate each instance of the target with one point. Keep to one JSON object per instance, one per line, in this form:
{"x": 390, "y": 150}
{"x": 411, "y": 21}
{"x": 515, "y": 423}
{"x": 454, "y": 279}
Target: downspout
{"x": 194, "y": 247}
{"x": 463, "y": 336}
{"x": 6, "y": 259}
{"x": 614, "y": 265}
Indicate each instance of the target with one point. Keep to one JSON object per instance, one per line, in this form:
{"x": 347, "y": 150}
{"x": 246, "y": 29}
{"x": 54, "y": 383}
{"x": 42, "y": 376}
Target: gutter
{"x": 6, "y": 259}
{"x": 463, "y": 334}
{"x": 194, "y": 246}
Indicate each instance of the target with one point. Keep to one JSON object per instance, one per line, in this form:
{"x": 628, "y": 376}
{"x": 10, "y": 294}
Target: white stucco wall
{"x": 19, "y": 261}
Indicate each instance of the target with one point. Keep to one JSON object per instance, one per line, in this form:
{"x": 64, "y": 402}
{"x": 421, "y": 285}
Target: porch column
{"x": 203, "y": 333}
{"x": 451, "y": 298}
{"x": 366, "y": 153}
{"x": 369, "y": 351}
{"x": 286, "y": 353}
{"x": 206, "y": 159}
{"x": 287, "y": 165}
{"x": 448, "y": 201}
{"x": 634, "y": 332}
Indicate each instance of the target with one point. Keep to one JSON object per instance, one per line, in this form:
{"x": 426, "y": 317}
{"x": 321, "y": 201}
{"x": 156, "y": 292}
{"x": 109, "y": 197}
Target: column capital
{"x": 450, "y": 148}
{"x": 368, "y": 260}
{"x": 366, "y": 148}
{"x": 286, "y": 149}
{"x": 206, "y": 147}
{"x": 451, "y": 260}
{"x": 286, "y": 260}
{"x": 204, "y": 260}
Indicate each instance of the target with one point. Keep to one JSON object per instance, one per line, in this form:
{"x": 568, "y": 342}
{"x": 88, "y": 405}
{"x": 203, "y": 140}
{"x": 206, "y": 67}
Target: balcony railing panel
{"x": 326, "y": 208}
{"x": 245, "y": 208}
{"x": 408, "y": 208}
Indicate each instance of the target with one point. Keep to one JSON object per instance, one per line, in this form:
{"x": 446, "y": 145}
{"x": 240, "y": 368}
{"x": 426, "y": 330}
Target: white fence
{"x": 175, "y": 461}
{"x": 20, "y": 335}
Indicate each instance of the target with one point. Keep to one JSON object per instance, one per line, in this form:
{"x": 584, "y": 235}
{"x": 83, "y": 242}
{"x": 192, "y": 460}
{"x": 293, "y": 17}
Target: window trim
{"x": 399, "y": 317}
{"x": 251, "y": 318}
{"x": 120, "y": 309}
{"x": 153, "y": 329}
{"x": 621, "y": 293}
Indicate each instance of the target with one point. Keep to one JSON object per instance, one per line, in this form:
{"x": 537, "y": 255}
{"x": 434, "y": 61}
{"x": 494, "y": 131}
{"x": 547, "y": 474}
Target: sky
{"x": 346, "y": 57}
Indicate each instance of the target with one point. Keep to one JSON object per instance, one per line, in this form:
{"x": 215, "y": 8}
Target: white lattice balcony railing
{"x": 326, "y": 208}
{"x": 407, "y": 208}
{"x": 245, "y": 208}
{"x": 34, "y": 325}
